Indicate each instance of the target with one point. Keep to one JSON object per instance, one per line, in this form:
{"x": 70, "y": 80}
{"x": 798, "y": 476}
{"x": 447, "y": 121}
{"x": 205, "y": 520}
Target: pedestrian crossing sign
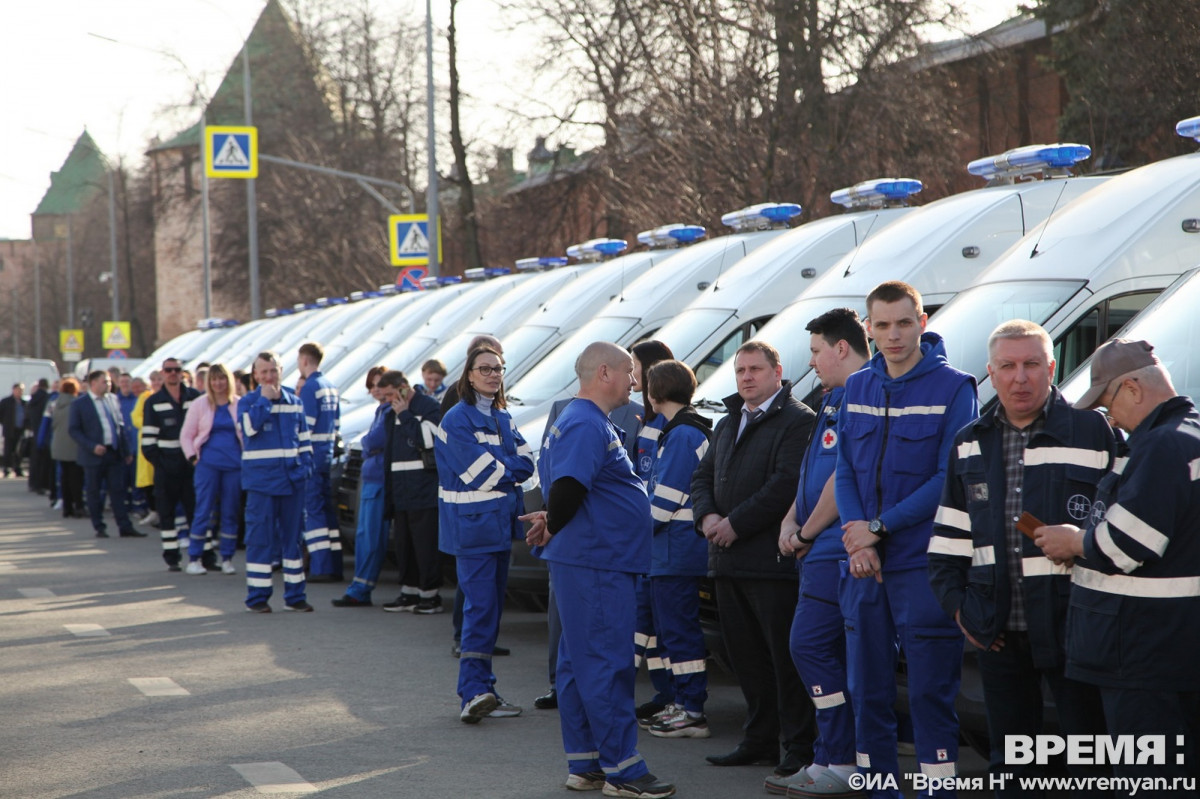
{"x": 70, "y": 340}
{"x": 231, "y": 152}
{"x": 116, "y": 336}
{"x": 408, "y": 236}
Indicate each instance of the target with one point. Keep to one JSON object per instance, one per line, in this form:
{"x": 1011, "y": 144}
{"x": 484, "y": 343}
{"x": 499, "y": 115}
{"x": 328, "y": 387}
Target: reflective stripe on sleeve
{"x": 953, "y": 517}
{"x": 266, "y": 454}
{"x": 1142, "y": 587}
{"x": 958, "y": 547}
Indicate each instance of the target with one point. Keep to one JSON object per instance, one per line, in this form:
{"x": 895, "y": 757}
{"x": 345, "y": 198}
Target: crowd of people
{"x": 894, "y": 521}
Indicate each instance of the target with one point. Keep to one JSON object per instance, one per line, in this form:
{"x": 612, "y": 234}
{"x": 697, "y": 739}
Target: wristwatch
{"x": 875, "y": 527}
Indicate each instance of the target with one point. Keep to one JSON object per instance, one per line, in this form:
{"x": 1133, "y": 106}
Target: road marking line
{"x": 35, "y": 593}
{"x": 5, "y": 566}
{"x": 87, "y": 630}
{"x": 159, "y": 686}
{"x": 273, "y": 777}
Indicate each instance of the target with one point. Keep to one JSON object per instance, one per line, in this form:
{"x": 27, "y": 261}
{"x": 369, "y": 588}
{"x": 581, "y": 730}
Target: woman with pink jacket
{"x": 212, "y": 442}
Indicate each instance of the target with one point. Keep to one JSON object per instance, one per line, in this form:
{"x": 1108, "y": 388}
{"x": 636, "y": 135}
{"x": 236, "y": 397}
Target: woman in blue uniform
{"x": 212, "y": 443}
{"x": 371, "y": 535}
{"x": 678, "y": 557}
{"x": 482, "y": 459}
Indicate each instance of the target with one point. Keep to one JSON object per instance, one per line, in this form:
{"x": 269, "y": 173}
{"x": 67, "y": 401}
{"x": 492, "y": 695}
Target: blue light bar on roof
{"x": 762, "y": 216}
{"x": 538, "y": 264}
{"x": 449, "y": 280}
{"x": 597, "y": 249}
{"x": 671, "y": 235}
{"x": 430, "y": 282}
{"x": 499, "y": 271}
{"x": 1028, "y": 160}
{"x": 356, "y": 296}
{"x": 388, "y": 289}
{"x": 1189, "y": 128}
{"x": 876, "y": 192}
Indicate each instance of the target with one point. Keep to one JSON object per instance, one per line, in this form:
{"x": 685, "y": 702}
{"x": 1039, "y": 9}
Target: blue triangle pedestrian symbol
{"x": 231, "y": 155}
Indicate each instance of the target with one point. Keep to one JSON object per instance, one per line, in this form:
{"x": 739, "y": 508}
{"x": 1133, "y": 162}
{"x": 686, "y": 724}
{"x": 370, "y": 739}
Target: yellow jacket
{"x": 145, "y": 471}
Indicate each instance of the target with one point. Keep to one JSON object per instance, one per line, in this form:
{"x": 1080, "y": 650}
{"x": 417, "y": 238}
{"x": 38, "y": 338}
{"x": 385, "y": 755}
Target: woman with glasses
{"x": 212, "y": 442}
{"x": 482, "y": 459}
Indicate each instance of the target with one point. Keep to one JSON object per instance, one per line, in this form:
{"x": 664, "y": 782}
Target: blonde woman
{"x": 212, "y": 443}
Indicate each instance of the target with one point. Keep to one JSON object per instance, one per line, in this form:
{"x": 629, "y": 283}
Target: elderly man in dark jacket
{"x": 741, "y": 491}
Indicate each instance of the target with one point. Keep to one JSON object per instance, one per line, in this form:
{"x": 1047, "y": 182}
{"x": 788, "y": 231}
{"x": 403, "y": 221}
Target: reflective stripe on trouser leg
{"x": 818, "y": 647}
{"x": 261, "y": 545}
{"x": 933, "y": 646}
{"x": 290, "y": 518}
{"x": 370, "y": 541}
{"x": 596, "y": 674}
{"x": 483, "y": 579}
{"x": 676, "y": 604}
{"x": 316, "y": 533}
{"x": 871, "y": 675}
{"x": 208, "y": 497}
{"x": 646, "y": 646}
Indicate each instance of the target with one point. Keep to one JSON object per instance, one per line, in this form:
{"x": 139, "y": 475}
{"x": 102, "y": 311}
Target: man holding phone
{"x": 1032, "y": 457}
{"x": 410, "y": 491}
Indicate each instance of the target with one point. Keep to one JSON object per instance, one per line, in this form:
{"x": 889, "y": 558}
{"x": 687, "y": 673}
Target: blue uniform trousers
{"x": 647, "y": 646}
{"x": 483, "y": 580}
{"x": 902, "y": 608}
{"x": 596, "y": 674}
{"x": 218, "y": 496}
{"x": 318, "y": 536}
{"x": 818, "y": 645}
{"x": 676, "y": 605}
{"x": 273, "y": 526}
{"x": 370, "y": 541}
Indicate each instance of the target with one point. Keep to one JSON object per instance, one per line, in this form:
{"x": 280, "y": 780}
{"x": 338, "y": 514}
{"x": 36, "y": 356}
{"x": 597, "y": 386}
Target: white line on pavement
{"x": 273, "y": 777}
{"x": 35, "y": 593}
{"x": 159, "y": 686}
{"x": 87, "y": 630}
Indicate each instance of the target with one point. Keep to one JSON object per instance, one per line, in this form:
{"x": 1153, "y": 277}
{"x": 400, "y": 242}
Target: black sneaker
{"x": 405, "y": 603}
{"x": 258, "y": 607}
{"x": 427, "y": 607}
{"x": 648, "y": 710}
{"x": 348, "y": 601}
{"x": 299, "y": 607}
{"x": 646, "y": 787}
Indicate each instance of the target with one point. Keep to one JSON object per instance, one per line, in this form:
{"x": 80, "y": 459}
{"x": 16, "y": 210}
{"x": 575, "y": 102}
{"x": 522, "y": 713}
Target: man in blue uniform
{"x": 1134, "y": 625}
{"x": 812, "y": 531}
{"x": 321, "y": 413}
{"x": 276, "y": 464}
{"x": 1032, "y": 453}
{"x": 595, "y": 534}
{"x": 895, "y": 432}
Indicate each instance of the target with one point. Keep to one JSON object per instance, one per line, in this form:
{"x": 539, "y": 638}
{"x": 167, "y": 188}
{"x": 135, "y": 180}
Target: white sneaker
{"x": 57, "y": 505}
{"x": 477, "y": 708}
{"x": 227, "y": 567}
{"x": 505, "y": 710}
{"x": 150, "y": 520}
{"x": 196, "y": 567}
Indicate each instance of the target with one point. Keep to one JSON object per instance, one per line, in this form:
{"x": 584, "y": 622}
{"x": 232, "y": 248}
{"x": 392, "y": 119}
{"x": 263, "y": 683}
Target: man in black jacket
{"x": 33, "y": 419}
{"x": 741, "y": 491}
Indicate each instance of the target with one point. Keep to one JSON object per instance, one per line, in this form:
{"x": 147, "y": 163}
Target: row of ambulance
{"x": 1083, "y": 255}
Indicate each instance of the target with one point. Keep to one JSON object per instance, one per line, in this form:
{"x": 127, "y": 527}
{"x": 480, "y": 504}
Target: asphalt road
{"x": 123, "y": 680}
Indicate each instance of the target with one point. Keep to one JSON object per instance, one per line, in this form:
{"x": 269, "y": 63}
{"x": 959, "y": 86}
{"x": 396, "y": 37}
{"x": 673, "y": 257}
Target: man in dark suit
{"x": 12, "y": 421}
{"x": 95, "y": 425}
{"x": 33, "y": 419}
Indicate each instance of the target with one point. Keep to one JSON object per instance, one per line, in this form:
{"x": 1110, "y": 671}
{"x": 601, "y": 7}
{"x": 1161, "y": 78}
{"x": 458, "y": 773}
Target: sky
{"x": 124, "y": 70}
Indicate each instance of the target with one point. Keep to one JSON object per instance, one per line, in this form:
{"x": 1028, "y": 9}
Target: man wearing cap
{"x": 1032, "y": 453}
{"x": 1134, "y": 624}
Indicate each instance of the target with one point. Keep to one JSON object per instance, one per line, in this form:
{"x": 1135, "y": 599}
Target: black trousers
{"x": 174, "y": 485}
{"x": 12, "y": 453}
{"x": 417, "y": 553}
{"x": 72, "y": 488}
{"x": 756, "y": 624}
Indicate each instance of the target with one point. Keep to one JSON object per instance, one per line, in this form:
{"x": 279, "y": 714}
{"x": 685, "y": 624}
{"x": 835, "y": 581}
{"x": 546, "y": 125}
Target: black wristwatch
{"x": 875, "y": 527}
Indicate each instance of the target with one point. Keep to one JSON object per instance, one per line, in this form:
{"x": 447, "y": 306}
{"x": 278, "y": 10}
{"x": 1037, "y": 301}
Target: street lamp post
{"x": 431, "y": 192}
